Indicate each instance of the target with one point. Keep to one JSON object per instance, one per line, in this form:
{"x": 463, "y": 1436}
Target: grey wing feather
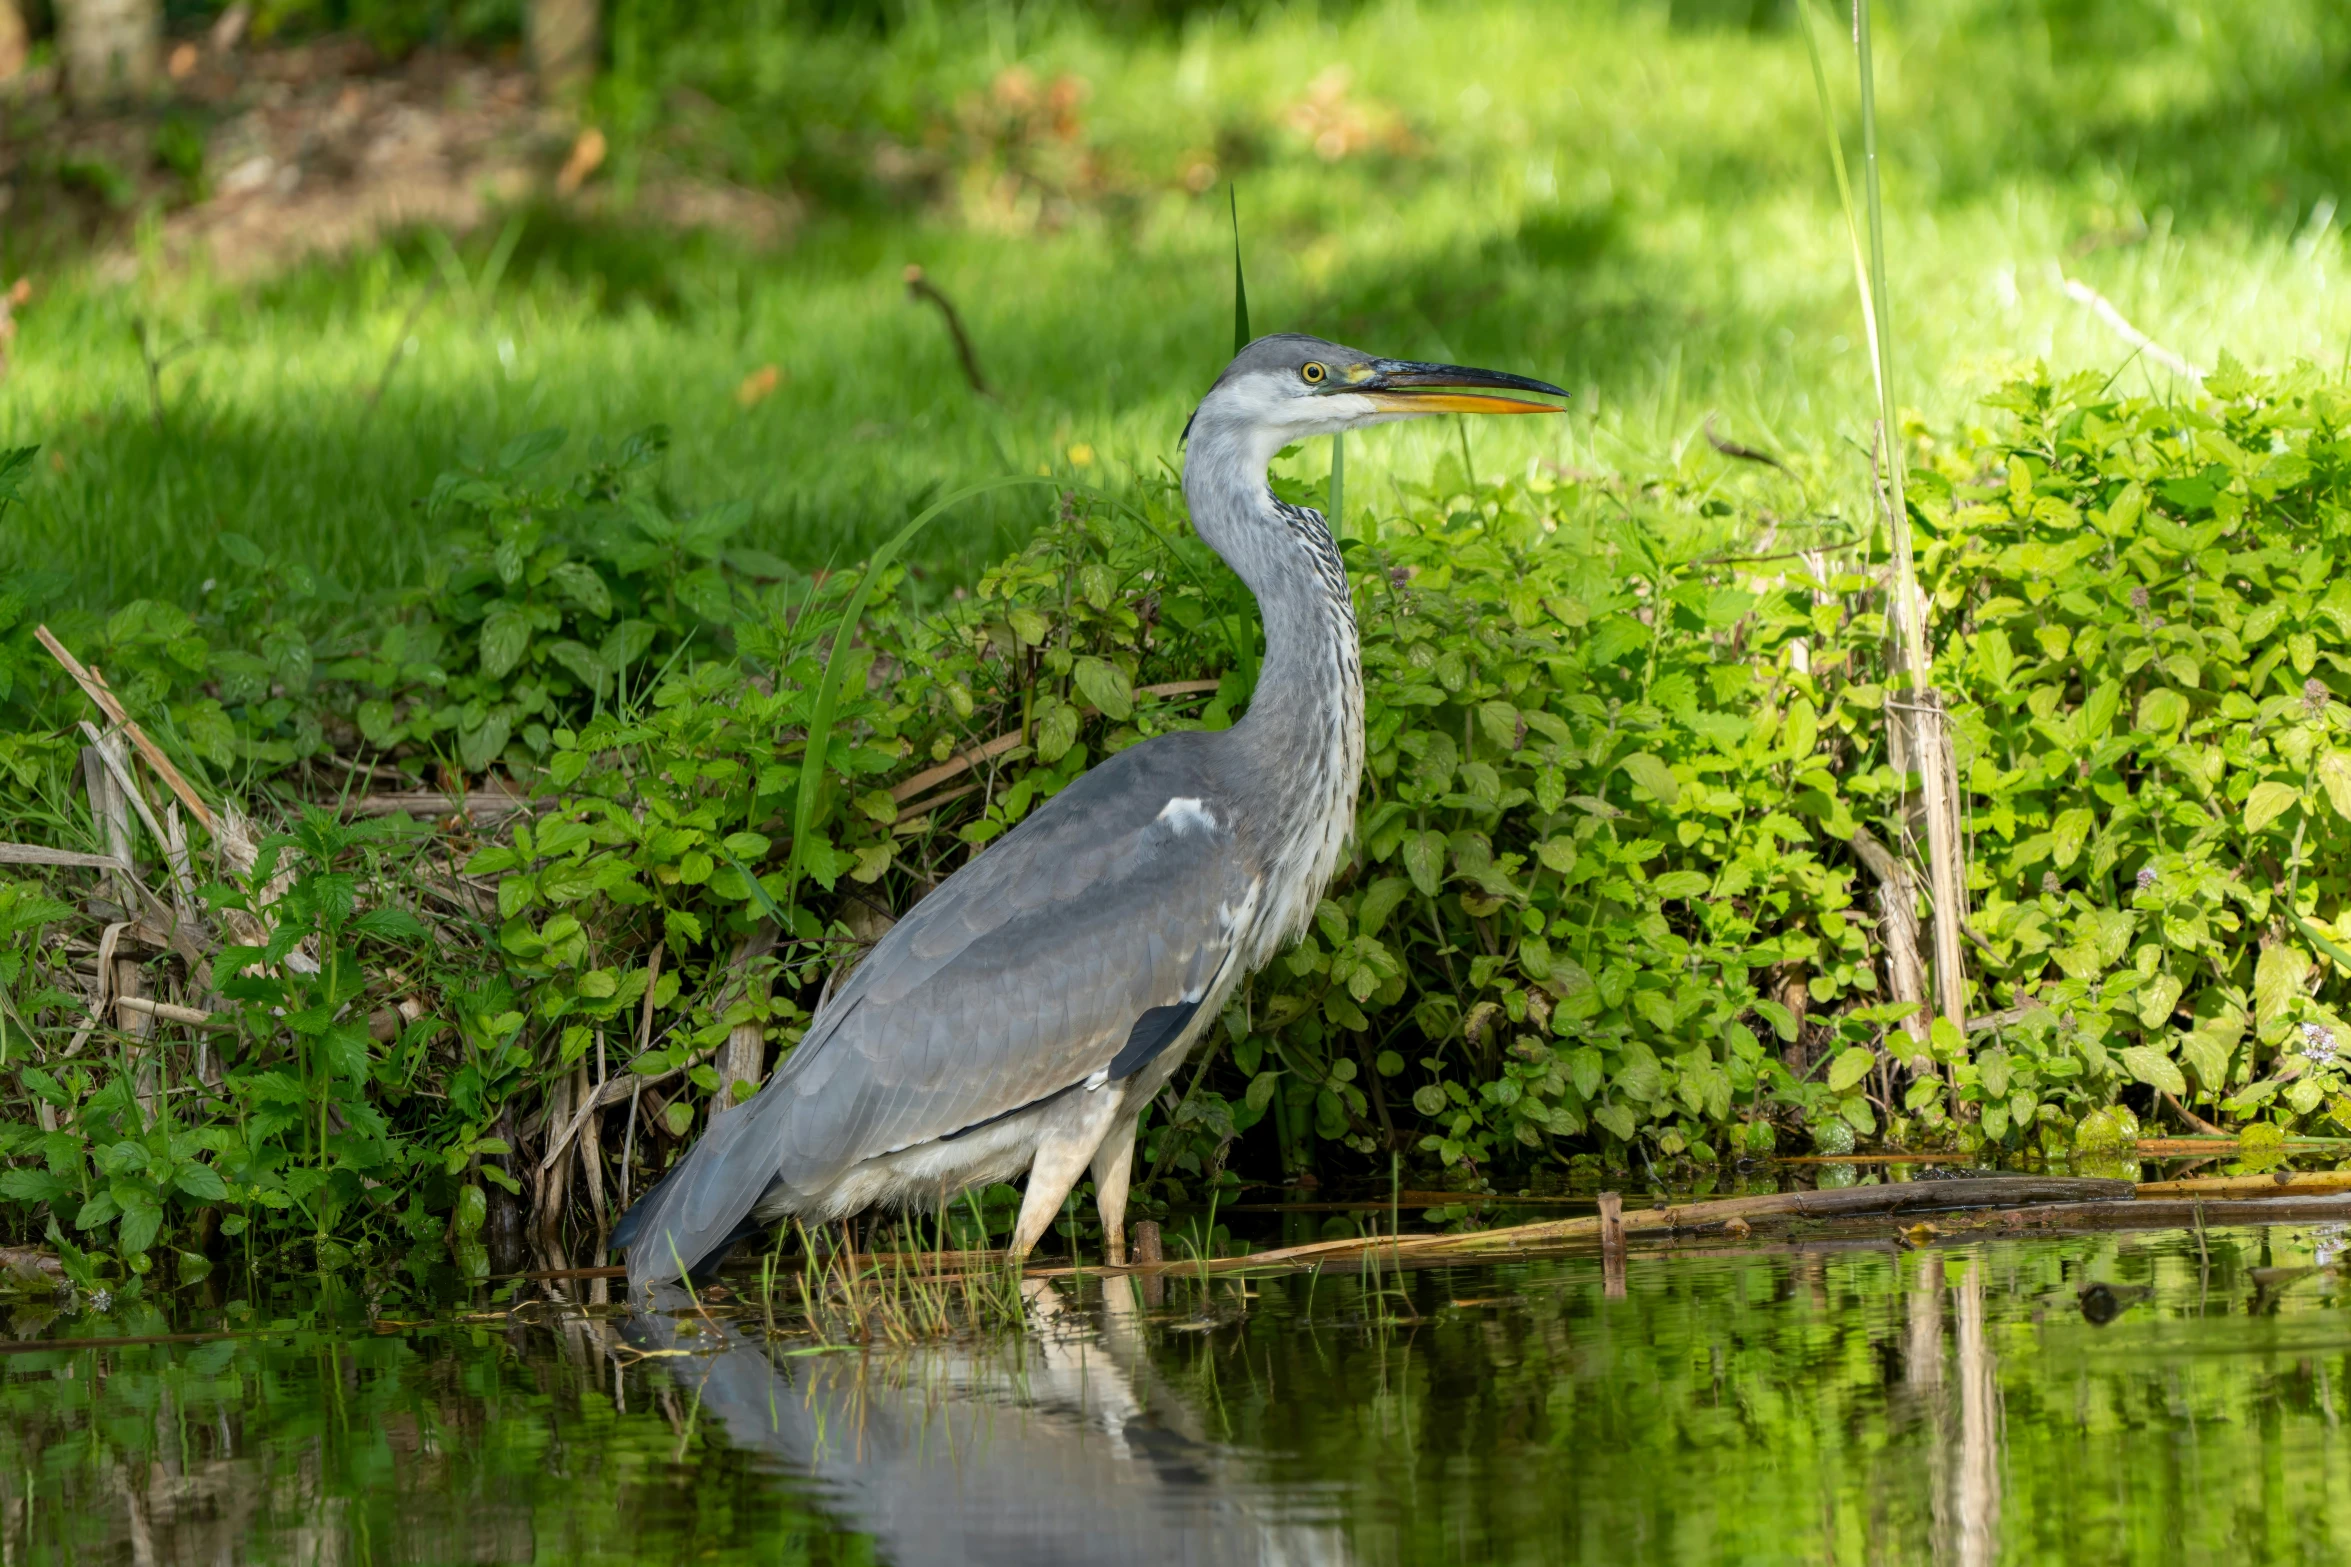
{"x": 1024, "y": 973}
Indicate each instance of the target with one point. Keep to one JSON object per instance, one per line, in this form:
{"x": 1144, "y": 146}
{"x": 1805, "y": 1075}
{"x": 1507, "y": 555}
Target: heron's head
{"x": 1286, "y": 387}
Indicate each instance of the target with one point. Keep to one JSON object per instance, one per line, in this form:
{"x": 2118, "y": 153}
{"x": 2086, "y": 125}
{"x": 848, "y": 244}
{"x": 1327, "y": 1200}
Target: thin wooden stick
{"x": 920, "y": 287}
{"x": 988, "y": 750}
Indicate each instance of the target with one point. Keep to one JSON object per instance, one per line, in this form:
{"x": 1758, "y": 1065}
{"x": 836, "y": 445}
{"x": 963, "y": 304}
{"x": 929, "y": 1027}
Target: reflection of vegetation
{"x": 1846, "y": 1405}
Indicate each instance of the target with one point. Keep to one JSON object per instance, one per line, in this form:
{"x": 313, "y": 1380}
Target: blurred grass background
{"x": 1629, "y": 197}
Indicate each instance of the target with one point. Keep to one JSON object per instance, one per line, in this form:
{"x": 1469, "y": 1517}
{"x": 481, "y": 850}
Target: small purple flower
{"x": 2050, "y": 885}
{"x": 2318, "y": 1042}
{"x": 2314, "y": 696}
{"x": 2138, "y": 598}
{"x": 2147, "y": 879}
{"x": 1398, "y": 576}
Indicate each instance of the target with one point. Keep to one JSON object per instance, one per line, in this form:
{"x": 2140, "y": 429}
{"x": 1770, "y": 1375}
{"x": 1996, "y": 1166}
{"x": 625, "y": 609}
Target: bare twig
{"x": 2190, "y": 1116}
{"x": 988, "y": 751}
{"x": 1742, "y": 453}
{"x": 921, "y": 287}
{"x": 2103, "y": 308}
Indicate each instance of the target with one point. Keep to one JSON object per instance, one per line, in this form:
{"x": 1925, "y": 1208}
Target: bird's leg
{"x": 1114, "y": 1164}
{"x": 1062, "y": 1155}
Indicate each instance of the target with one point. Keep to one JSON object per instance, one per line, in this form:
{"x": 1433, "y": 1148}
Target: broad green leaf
{"x": 2098, "y": 711}
{"x": 2162, "y": 710}
{"x": 2156, "y": 999}
{"x": 1057, "y": 731}
{"x": 2210, "y": 1057}
{"x": 1851, "y": 1066}
{"x": 2154, "y": 1069}
{"x": 2068, "y": 833}
{"x": 1800, "y": 730}
{"x": 1500, "y": 723}
{"x": 2269, "y": 801}
{"x": 584, "y": 587}
{"x": 1992, "y": 1072}
{"x": 1424, "y": 860}
{"x": 506, "y": 631}
{"x": 2334, "y": 773}
{"x": 1105, "y": 685}
{"x": 202, "y": 1182}
{"x": 2278, "y": 977}
{"x": 1379, "y": 901}
{"x": 1029, "y": 625}
{"x": 139, "y": 1227}
{"x": 1651, "y": 773}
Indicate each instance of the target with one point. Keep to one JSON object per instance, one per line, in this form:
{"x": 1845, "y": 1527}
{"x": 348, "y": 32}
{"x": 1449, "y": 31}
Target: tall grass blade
{"x": 828, "y": 690}
{"x": 1241, "y": 337}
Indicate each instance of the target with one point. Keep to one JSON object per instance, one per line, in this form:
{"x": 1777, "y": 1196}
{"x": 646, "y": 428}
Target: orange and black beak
{"x": 1407, "y": 386}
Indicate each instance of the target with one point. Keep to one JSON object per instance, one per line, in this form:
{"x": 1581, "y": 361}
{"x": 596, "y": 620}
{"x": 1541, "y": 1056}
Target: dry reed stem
{"x": 104, "y": 698}
{"x": 36, "y": 854}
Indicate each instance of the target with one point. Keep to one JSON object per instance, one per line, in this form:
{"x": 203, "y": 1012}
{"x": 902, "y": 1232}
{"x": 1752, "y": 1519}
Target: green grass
{"x": 1616, "y": 197}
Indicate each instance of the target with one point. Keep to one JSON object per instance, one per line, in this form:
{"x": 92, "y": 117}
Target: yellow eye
{"x": 1315, "y": 374}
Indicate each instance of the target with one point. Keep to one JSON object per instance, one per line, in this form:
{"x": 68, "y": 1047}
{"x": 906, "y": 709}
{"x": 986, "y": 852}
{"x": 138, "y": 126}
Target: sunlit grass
{"x": 1584, "y": 193}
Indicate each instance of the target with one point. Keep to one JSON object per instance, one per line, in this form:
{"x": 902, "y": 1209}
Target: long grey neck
{"x": 1305, "y": 722}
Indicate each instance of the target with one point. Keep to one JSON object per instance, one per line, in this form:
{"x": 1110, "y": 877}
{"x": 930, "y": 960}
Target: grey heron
{"x": 1021, "y": 1016}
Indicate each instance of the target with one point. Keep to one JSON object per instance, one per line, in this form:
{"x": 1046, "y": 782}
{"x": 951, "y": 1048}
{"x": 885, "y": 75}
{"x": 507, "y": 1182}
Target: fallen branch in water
{"x": 1976, "y": 1192}
{"x": 2283, "y": 1183}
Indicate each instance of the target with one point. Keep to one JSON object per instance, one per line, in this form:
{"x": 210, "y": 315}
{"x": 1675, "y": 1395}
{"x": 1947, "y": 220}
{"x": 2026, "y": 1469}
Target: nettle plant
{"x": 1606, "y": 791}
{"x": 1595, "y": 814}
{"x": 674, "y": 814}
{"x": 554, "y": 598}
{"x": 2145, "y": 610}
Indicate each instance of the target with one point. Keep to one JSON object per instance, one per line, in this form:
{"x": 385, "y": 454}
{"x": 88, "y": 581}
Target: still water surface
{"x": 1838, "y": 1402}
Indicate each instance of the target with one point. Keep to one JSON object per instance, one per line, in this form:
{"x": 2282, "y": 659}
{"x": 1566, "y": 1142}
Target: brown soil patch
{"x": 322, "y": 149}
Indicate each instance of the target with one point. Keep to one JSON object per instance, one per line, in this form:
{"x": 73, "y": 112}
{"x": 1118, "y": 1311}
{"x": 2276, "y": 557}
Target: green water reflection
{"x": 1838, "y": 1402}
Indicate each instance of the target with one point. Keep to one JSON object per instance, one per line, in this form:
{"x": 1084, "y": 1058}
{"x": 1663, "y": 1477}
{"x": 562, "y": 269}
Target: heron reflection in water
{"x": 1030, "y": 1451}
